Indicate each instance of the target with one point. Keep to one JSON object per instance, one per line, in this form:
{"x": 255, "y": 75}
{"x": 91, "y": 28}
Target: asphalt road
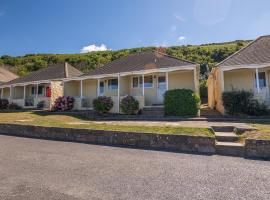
{"x": 38, "y": 169}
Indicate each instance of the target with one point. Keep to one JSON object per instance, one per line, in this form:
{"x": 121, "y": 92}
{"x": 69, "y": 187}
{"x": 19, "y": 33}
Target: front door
{"x": 161, "y": 88}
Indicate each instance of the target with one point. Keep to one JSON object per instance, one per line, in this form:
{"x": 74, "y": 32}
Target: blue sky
{"x": 74, "y": 26}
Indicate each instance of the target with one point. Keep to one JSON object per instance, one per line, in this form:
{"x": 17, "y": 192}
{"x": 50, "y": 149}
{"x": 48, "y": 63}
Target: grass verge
{"x": 76, "y": 121}
{"x": 262, "y": 131}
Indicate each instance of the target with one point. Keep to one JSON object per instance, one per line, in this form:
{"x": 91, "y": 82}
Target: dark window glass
{"x": 113, "y": 84}
{"x": 40, "y": 90}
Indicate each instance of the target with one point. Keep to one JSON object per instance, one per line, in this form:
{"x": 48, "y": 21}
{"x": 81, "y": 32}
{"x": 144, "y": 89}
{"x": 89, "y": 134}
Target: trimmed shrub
{"x": 242, "y": 102}
{"x": 181, "y": 102}
{"x": 129, "y": 105}
{"x": 103, "y": 104}
{"x": 3, "y": 104}
{"x": 63, "y": 103}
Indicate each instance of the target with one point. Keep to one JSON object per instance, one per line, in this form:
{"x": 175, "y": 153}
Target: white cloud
{"x": 181, "y": 38}
{"x": 179, "y": 18}
{"x": 94, "y": 47}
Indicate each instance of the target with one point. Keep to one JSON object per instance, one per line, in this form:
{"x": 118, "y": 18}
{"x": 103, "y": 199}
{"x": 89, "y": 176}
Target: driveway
{"x": 32, "y": 169}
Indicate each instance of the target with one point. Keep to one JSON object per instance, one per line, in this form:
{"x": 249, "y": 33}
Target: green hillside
{"x": 206, "y": 55}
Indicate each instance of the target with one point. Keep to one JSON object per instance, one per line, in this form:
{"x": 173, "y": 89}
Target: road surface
{"x": 32, "y": 169}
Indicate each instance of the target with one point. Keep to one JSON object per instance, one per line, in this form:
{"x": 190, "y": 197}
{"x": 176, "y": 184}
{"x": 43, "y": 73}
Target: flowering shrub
{"x": 129, "y": 105}
{"x": 103, "y": 104}
{"x": 63, "y": 103}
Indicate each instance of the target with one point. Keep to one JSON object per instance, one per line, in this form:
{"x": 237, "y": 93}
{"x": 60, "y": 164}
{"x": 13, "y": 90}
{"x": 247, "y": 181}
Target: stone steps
{"x": 223, "y": 128}
{"x": 230, "y": 149}
{"x": 226, "y": 137}
{"x": 227, "y": 141}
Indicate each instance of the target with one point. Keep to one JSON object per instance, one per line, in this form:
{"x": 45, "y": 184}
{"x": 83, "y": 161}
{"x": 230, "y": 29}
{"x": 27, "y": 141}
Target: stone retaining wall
{"x": 181, "y": 143}
{"x": 257, "y": 148}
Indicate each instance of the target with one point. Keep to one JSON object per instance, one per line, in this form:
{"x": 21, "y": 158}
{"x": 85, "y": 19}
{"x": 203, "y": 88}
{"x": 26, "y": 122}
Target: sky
{"x": 79, "y": 26}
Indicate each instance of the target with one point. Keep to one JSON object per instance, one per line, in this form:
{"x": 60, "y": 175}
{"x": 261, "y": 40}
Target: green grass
{"x": 262, "y": 131}
{"x": 75, "y": 121}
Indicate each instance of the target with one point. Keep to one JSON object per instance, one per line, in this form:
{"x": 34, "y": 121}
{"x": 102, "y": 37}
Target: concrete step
{"x": 230, "y": 149}
{"x": 153, "y": 111}
{"x": 226, "y": 137}
{"x": 207, "y": 112}
{"x": 223, "y": 128}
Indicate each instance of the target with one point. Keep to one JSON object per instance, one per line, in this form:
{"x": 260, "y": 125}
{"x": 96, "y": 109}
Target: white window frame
{"x": 113, "y": 89}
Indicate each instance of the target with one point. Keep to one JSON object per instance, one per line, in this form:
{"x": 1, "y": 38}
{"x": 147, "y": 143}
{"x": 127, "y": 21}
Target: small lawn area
{"x": 262, "y": 132}
{"x": 76, "y": 121}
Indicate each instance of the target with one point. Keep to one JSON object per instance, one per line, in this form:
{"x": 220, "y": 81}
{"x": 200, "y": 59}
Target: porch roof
{"x": 141, "y": 61}
{"x": 257, "y": 53}
{"x": 53, "y": 72}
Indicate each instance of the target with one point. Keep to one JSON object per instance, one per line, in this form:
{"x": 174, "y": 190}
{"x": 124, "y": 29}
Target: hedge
{"x": 181, "y": 102}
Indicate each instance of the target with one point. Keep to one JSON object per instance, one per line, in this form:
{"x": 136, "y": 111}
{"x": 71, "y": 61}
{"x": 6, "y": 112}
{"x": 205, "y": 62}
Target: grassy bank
{"x": 75, "y": 121}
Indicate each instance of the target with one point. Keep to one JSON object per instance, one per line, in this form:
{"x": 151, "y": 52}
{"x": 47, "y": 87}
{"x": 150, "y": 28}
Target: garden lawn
{"x": 76, "y": 121}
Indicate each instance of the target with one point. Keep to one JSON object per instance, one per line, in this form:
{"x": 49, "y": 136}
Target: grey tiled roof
{"x": 257, "y": 52}
{"x": 52, "y": 72}
{"x": 140, "y": 61}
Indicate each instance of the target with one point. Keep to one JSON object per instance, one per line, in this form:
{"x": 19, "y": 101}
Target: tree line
{"x": 207, "y": 55}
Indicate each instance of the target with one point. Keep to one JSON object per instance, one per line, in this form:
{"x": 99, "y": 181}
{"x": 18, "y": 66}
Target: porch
{"x": 256, "y": 80}
{"x": 147, "y": 88}
{"x": 31, "y": 95}
{"x": 5, "y": 92}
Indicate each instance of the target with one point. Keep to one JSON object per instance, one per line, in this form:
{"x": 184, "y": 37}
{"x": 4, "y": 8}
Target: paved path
{"x": 38, "y": 169}
{"x": 198, "y": 124}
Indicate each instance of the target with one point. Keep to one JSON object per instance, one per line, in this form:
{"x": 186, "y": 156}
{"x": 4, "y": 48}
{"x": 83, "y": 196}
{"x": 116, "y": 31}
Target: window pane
{"x": 148, "y": 81}
{"x": 135, "y": 82}
{"x": 101, "y": 88}
{"x": 40, "y": 90}
{"x": 262, "y": 80}
{"x": 113, "y": 84}
{"x": 33, "y": 90}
